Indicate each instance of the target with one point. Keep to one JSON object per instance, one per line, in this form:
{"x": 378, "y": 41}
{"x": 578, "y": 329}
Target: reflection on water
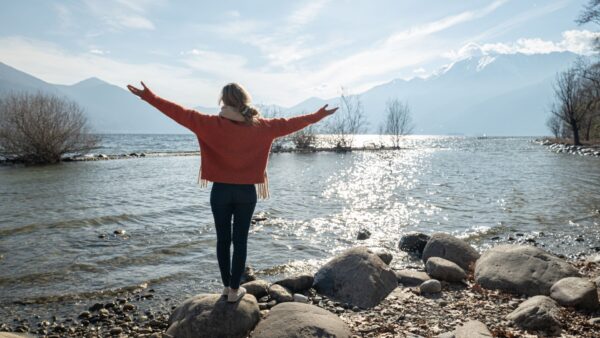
{"x": 52, "y": 218}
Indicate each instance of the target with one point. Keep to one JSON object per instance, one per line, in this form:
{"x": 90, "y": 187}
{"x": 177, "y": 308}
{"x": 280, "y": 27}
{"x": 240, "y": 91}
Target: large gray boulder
{"x": 210, "y": 315}
{"x": 299, "y": 320}
{"x": 521, "y": 269}
{"x": 297, "y": 283}
{"x": 443, "y": 269}
{"x": 258, "y": 288}
{"x": 536, "y": 313}
{"x": 451, "y": 248}
{"x": 472, "y": 329}
{"x": 577, "y": 292}
{"x": 356, "y": 276}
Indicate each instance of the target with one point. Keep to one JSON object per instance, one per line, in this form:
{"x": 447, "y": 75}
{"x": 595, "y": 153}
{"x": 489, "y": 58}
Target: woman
{"x": 234, "y": 153}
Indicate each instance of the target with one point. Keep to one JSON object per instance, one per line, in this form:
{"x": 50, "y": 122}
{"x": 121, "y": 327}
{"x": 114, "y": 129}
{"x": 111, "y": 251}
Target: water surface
{"x": 485, "y": 190}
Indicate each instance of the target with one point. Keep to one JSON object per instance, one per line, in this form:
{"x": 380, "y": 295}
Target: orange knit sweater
{"x": 230, "y": 151}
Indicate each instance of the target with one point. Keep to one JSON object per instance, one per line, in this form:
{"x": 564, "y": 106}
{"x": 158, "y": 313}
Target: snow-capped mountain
{"x": 503, "y": 94}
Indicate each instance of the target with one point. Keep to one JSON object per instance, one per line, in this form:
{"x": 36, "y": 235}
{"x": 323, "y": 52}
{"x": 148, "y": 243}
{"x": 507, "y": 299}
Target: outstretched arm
{"x": 283, "y": 126}
{"x": 186, "y": 117}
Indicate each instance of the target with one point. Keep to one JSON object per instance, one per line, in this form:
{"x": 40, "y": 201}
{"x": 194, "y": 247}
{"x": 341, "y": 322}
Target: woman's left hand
{"x": 139, "y": 92}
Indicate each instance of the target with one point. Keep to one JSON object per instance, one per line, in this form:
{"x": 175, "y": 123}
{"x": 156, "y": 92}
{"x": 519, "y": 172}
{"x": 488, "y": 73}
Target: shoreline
{"x": 104, "y": 157}
{"x": 561, "y": 146}
{"x": 405, "y": 312}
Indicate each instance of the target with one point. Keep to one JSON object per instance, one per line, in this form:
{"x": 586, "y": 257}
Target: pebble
{"x": 84, "y": 314}
{"x": 363, "y": 234}
{"x": 430, "y": 286}
{"x": 116, "y": 330}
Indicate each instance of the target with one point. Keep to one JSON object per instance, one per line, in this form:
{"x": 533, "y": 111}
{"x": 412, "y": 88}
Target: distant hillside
{"x": 493, "y": 95}
{"x": 484, "y": 94}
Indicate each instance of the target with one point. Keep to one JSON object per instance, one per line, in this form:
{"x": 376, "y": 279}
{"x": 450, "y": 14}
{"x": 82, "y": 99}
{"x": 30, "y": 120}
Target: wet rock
{"x": 413, "y": 242}
{"x": 210, "y": 315}
{"x": 472, "y": 329}
{"x": 259, "y": 288}
{"x": 280, "y": 293}
{"x": 577, "y": 292}
{"x": 411, "y": 277}
{"x": 300, "y": 320}
{"x": 115, "y": 330}
{"x": 356, "y": 276}
{"x": 536, "y": 313}
{"x": 298, "y": 297}
{"x": 363, "y": 234}
{"x": 384, "y": 254}
{"x": 248, "y": 275}
{"x": 443, "y": 269}
{"x": 451, "y": 248}
{"x": 96, "y": 307}
{"x": 594, "y": 321}
{"x": 128, "y": 307}
{"x": 119, "y": 232}
{"x": 297, "y": 283}
{"x": 85, "y": 314}
{"x": 430, "y": 286}
{"x": 521, "y": 269}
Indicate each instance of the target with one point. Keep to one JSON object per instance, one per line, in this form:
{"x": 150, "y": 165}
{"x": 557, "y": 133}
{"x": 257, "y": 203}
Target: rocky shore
{"x": 510, "y": 290}
{"x": 103, "y": 157}
{"x": 560, "y": 147}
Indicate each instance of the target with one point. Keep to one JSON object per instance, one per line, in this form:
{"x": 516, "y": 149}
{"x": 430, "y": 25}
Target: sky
{"x": 283, "y": 52}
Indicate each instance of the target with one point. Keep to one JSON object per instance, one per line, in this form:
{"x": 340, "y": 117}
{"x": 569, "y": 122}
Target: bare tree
{"x": 349, "y": 121}
{"x": 591, "y": 13}
{"x": 40, "y": 128}
{"x": 398, "y": 121}
{"x": 306, "y": 138}
{"x": 570, "y": 109}
{"x": 555, "y": 124}
{"x": 590, "y": 91}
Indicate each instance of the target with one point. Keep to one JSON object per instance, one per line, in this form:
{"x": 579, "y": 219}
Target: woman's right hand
{"x": 139, "y": 92}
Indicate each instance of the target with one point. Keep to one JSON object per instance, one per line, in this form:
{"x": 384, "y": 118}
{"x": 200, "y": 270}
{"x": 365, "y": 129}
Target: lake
{"x": 487, "y": 190}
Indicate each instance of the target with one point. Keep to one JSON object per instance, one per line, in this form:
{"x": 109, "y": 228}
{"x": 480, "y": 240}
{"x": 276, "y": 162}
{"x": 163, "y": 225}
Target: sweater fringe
{"x": 262, "y": 189}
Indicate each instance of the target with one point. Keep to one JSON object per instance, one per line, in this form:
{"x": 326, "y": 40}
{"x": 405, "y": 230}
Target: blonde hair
{"x": 234, "y": 95}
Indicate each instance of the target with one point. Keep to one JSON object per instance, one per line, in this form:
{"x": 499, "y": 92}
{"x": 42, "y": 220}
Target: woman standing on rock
{"x": 234, "y": 153}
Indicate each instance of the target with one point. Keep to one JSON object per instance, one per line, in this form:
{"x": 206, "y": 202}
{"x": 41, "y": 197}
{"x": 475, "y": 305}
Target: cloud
{"x": 519, "y": 19}
{"x": 99, "y": 51}
{"x": 575, "y": 41}
{"x": 443, "y": 23}
{"x": 305, "y": 14}
{"x": 122, "y": 14}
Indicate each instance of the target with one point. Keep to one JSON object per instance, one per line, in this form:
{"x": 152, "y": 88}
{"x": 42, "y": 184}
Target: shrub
{"x": 40, "y": 128}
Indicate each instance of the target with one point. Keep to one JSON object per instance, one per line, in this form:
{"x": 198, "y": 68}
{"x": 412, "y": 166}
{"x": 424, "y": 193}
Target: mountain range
{"x": 504, "y": 95}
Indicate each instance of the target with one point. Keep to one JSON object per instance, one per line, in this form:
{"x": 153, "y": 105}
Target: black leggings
{"x": 237, "y": 201}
